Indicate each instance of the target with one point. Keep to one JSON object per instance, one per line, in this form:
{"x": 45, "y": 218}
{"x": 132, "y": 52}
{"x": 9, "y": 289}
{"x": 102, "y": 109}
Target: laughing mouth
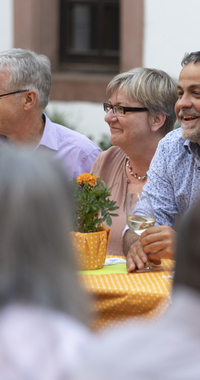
{"x": 189, "y": 117}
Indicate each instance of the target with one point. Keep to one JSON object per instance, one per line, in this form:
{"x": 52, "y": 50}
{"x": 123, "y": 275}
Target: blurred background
{"x": 88, "y": 42}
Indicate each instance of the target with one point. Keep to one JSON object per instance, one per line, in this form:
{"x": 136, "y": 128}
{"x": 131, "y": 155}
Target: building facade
{"x": 88, "y": 42}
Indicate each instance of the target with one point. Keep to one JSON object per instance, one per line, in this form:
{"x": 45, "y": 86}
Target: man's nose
{"x": 184, "y": 102}
{"x": 110, "y": 116}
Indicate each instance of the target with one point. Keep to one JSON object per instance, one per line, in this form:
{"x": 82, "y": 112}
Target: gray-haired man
{"x": 25, "y": 84}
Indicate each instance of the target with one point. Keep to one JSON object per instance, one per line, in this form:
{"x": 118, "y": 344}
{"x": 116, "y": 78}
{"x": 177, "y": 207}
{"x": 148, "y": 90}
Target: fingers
{"x": 136, "y": 257}
{"x": 155, "y": 243}
{"x": 156, "y": 261}
{"x": 159, "y": 242}
{"x": 167, "y": 253}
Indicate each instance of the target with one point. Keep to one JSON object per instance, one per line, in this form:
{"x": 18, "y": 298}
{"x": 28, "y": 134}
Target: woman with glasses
{"x": 139, "y": 112}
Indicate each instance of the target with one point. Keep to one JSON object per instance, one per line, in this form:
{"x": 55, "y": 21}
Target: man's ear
{"x": 29, "y": 99}
{"x": 158, "y": 121}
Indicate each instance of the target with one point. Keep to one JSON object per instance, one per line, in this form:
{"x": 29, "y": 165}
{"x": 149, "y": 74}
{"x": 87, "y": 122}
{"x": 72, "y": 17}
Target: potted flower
{"x": 92, "y": 208}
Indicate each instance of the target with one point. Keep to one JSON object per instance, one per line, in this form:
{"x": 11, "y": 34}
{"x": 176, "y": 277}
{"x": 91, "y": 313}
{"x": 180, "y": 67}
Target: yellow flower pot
{"x": 91, "y": 248}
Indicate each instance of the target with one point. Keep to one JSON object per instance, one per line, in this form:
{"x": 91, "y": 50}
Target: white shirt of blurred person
{"x": 170, "y": 349}
{"x": 25, "y": 84}
{"x": 42, "y": 309}
{"x": 174, "y": 175}
{"x": 140, "y": 112}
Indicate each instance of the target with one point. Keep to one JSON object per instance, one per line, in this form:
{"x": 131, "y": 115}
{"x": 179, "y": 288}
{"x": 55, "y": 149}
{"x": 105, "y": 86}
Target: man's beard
{"x": 190, "y": 133}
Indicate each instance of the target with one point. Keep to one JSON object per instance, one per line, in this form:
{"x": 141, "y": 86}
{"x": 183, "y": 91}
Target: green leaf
{"x": 92, "y": 205}
{"x": 109, "y": 220}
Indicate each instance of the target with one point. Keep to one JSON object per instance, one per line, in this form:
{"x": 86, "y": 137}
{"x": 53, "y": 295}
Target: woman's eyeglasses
{"x": 120, "y": 110}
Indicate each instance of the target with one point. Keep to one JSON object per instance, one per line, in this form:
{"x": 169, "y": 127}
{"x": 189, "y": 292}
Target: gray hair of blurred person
{"x": 27, "y": 70}
{"x": 152, "y": 88}
{"x": 193, "y": 57}
{"x": 188, "y": 250}
{"x": 37, "y": 262}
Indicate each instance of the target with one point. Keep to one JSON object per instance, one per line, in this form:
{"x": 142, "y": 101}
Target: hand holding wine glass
{"x": 140, "y": 218}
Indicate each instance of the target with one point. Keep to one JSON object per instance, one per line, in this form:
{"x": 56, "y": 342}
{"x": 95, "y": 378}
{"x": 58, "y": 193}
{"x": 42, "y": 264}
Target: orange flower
{"x": 86, "y": 177}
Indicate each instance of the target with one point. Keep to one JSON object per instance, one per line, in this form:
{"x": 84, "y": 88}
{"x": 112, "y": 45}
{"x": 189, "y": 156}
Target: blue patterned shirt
{"x": 174, "y": 177}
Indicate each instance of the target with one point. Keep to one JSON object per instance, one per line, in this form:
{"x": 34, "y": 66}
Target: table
{"x": 120, "y": 298}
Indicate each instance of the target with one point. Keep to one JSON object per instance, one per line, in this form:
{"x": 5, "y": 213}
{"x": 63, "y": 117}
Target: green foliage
{"x": 92, "y": 204}
{"x": 58, "y": 118}
{"x": 104, "y": 143}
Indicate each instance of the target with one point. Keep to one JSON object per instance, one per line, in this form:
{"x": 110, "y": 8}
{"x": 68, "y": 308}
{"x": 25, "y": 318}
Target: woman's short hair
{"x": 152, "y": 88}
{"x": 37, "y": 262}
{"x": 27, "y": 70}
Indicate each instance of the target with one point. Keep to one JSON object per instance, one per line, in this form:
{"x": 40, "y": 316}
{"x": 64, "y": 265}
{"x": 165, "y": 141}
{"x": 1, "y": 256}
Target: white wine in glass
{"x": 139, "y": 219}
{"x": 139, "y": 223}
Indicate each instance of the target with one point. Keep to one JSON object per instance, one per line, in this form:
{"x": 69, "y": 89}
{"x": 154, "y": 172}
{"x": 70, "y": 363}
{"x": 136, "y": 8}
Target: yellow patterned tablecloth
{"x": 119, "y": 298}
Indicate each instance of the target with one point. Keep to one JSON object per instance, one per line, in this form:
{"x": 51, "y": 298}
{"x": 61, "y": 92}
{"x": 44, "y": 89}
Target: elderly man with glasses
{"x": 25, "y": 84}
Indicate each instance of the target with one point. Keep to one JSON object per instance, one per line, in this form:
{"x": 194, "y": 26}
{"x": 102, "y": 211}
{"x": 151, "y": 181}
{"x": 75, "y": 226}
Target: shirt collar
{"x": 49, "y": 137}
{"x": 192, "y": 148}
{"x": 3, "y": 140}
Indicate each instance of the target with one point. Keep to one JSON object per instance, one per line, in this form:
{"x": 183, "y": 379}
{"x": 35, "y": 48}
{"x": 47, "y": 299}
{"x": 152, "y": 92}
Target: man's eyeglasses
{"x": 120, "y": 110}
{"x": 14, "y": 92}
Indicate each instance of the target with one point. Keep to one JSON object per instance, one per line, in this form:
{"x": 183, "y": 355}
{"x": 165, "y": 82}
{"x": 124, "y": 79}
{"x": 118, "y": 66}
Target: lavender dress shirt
{"x": 75, "y": 151}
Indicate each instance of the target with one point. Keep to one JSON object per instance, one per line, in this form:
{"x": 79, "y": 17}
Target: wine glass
{"x": 139, "y": 218}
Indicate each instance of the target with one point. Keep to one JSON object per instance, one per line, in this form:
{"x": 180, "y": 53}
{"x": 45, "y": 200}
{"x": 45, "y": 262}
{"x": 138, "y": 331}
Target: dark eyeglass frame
{"x": 107, "y": 107}
{"x": 14, "y": 92}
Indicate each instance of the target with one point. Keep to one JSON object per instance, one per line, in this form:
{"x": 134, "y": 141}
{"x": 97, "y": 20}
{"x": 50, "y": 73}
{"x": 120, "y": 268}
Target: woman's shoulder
{"x": 114, "y": 152}
{"x": 109, "y": 162}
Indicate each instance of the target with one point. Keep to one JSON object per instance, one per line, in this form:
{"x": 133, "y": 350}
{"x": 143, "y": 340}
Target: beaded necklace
{"x": 131, "y": 171}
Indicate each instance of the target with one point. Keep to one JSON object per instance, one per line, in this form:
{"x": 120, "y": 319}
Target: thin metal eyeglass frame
{"x": 125, "y": 109}
{"x": 14, "y": 92}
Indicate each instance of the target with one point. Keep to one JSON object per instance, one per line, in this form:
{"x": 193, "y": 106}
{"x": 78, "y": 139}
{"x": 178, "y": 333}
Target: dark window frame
{"x": 101, "y": 59}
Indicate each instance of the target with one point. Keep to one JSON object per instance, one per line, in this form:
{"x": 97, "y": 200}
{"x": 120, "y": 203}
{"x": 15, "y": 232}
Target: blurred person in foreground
{"x": 25, "y": 85}
{"x": 174, "y": 177}
{"x": 42, "y": 308}
{"x": 140, "y": 112}
{"x": 170, "y": 349}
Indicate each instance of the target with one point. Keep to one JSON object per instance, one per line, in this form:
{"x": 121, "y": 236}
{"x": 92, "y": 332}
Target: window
{"x": 89, "y": 35}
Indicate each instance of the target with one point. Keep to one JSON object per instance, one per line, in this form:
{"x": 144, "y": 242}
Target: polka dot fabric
{"x": 91, "y": 248}
{"x": 119, "y": 299}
